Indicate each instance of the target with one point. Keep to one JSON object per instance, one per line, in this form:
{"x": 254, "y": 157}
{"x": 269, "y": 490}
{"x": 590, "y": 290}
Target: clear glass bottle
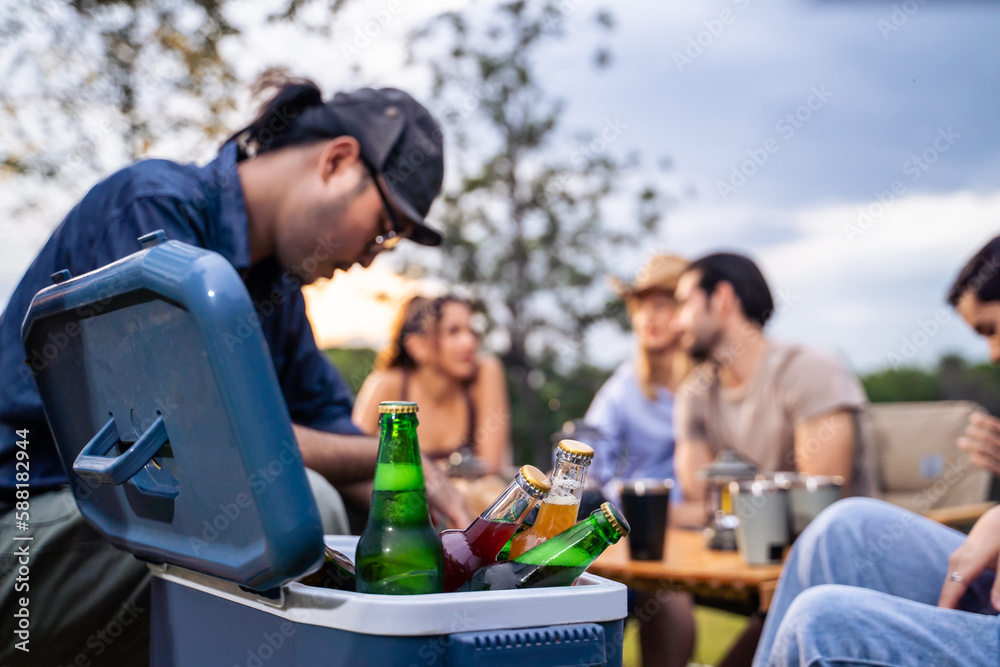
{"x": 559, "y": 509}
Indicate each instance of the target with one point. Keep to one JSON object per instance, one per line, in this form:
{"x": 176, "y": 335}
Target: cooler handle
{"x": 552, "y": 646}
{"x": 94, "y": 465}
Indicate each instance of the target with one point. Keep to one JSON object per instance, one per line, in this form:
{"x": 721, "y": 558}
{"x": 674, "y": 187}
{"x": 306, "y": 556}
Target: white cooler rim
{"x": 592, "y": 600}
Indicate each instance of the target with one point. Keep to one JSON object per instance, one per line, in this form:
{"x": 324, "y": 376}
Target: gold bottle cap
{"x": 615, "y": 518}
{"x": 397, "y": 407}
{"x": 576, "y": 450}
{"x": 536, "y": 479}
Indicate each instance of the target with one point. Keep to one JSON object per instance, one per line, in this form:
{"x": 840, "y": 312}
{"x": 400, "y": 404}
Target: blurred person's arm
{"x": 492, "y": 435}
{"x": 825, "y": 445}
{"x": 342, "y": 459}
{"x": 690, "y": 458}
{"x": 346, "y": 459}
{"x": 692, "y": 451}
{"x": 982, "y": 441}
{"x": 824, "y": 399}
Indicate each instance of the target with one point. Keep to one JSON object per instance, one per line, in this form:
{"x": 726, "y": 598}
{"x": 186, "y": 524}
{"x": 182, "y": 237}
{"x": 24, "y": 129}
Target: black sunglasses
{"x": 391, "y": 239}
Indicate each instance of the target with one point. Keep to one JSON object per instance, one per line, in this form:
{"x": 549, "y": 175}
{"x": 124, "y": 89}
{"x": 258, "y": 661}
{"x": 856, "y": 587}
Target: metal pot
{"x": 728, "y": 467}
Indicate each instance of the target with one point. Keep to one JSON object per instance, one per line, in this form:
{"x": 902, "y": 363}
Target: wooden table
{"x": 717, "y": 578}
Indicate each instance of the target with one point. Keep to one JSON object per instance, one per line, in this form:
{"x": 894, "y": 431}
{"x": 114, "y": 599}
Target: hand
{"x": 982, "y": 441}
{"x": 980, "y": 551}
{"x": 443, "y": 496}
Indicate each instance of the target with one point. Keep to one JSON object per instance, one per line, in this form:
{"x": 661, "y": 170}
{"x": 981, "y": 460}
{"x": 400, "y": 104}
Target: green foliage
{"x": 905, "y": 384}
{"x": 87, "y": 85}
{"x": 525, "y": 222}
{"x": 561, "y": 397}
{"x": 953, "y": 379}
{"x": 90, "y": 84}
{"x": 353, "y": 363}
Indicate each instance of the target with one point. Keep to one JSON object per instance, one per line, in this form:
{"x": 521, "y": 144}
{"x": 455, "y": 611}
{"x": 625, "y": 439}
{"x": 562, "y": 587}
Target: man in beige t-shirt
{"x": 782, "y": 406}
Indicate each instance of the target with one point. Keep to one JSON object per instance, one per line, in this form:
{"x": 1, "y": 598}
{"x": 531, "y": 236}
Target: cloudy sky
{"x": 850, "y": 147}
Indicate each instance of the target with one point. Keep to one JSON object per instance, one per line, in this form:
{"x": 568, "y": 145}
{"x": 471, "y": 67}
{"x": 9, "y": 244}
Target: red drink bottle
{"x": 465, "y": 551}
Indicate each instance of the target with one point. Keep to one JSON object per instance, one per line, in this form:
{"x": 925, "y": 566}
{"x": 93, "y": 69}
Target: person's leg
{"x": 88, "y": 602}
{"x": 666, "y": 627}
{"x": 331, "y": 505}
{"x": 846, "y": 625}
{"x": 869, "y": 544}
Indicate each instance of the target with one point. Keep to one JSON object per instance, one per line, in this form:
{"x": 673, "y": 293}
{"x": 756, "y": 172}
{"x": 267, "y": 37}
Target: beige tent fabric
{"x": 921, "y": 466}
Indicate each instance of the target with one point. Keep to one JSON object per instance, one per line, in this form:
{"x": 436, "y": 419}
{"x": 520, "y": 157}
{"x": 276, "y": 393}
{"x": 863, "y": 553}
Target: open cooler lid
{"x": 166, "y": 411}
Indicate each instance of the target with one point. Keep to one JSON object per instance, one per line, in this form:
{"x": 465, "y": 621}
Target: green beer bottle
{"x": 559, "y": 560}
{"x": 399, "y": 552}
{"x": 336, "y": 572}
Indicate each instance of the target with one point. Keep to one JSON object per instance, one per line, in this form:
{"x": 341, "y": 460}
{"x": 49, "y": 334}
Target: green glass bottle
{"x": 559, "y": 560}
{"x": 336, "y": 572}
{"x": 399, "y": 552}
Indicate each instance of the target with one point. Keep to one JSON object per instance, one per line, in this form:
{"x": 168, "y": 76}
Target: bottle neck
{"x": 579, "y": 545}
{"x": 398, "y": 439}
{"x": 568, "y": 478}
{"x": 511, "y": 506}
{"x": 398, "y": 467}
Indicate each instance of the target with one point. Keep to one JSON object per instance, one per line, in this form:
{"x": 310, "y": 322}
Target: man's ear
{"x": 725, "y": 299}
{"x": 338, "y": 156}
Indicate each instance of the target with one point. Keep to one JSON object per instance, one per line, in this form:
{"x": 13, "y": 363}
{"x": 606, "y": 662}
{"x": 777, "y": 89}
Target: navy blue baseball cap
{"x": 402, "y": 145}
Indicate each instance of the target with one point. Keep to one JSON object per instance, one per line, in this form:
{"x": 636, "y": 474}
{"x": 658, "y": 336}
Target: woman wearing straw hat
{"x": 633, "y": 413}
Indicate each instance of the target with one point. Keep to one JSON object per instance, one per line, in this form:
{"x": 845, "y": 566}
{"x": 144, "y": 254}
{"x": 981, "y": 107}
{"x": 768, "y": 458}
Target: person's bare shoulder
{"x": 490, "y": 369}
{"x": 490, "y": 378}
{"x": 387, "y": 384}
{"x": 380, "y": 385}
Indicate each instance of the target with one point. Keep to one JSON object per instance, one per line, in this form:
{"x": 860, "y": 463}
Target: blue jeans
{"x": 861, "y": 586}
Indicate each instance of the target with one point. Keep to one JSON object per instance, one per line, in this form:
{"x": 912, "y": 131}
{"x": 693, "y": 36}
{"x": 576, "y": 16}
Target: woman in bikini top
{"x": 433, "y": 358}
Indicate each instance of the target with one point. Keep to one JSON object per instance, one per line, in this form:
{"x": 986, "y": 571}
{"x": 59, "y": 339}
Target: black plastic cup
{"x": 645, "y": 504}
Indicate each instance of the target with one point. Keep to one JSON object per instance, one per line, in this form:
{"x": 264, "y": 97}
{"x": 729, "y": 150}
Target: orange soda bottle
{"x": 557, "y": 512}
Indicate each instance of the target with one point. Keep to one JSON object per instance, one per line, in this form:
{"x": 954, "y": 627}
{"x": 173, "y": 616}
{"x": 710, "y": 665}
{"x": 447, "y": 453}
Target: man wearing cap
{"x": 309, "y": 187}
{"x": 633, "y": 413}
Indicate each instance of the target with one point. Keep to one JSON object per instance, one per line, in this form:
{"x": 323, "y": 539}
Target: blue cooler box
{"x": 167, "y": 413}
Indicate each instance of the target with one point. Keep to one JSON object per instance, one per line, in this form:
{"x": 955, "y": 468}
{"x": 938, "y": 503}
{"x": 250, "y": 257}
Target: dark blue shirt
{"x": 202, "y": 206}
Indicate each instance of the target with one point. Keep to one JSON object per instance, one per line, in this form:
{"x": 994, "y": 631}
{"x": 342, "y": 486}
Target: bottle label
{"x": 399, "y": 477}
